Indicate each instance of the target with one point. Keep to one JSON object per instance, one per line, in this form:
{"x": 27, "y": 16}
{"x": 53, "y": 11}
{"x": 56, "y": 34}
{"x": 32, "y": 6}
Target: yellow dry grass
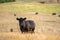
{"x": 47, "y": 26}
{"x": 28, "y": 36}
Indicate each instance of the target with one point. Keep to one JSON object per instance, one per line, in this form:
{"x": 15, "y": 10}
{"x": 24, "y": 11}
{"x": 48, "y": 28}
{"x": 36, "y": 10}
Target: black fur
{"x": 26, "y": 25}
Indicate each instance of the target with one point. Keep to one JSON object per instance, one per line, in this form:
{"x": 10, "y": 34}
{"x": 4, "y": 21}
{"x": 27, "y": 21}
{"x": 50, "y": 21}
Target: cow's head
{"x": 21, "y": 19}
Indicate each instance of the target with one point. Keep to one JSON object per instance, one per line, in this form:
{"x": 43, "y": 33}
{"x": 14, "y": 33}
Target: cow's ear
{"x": 17, "y": 18}
{"x": 24, "y": 18}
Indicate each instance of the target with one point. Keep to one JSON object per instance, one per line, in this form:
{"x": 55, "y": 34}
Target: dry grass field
{"x": 28, "y": 36}
{"x": 47, "y": 25}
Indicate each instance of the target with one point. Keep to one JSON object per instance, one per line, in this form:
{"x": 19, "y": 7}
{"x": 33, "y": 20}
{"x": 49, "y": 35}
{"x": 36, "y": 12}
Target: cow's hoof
{"x": 32, "y": 31}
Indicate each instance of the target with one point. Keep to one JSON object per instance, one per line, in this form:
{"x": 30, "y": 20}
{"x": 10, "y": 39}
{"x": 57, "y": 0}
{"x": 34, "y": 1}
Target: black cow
{"x": 26, "y": 25}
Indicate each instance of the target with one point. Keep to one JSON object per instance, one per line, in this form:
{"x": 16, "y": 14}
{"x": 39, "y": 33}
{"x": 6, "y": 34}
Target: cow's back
{"x": 30, "y": 23}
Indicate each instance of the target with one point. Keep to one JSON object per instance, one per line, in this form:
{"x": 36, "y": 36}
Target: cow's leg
{"x": 22, "y": 29}
{"x": 32, "y": 29}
